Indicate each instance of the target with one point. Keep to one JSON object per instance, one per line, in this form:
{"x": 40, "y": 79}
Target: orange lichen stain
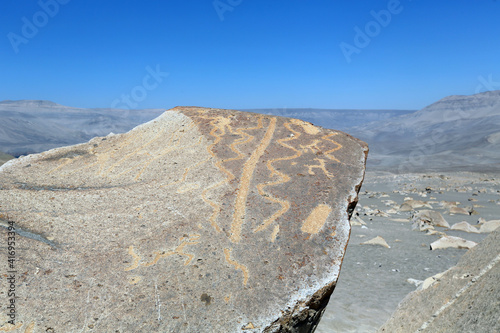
{"x": 246, "y": 178}
{"x": 227, "y": 299}
{"x": 30, "y": 327}
{"x": 9, "y": 327}
{"x": 135, "y": 263}
{"x": 316, "y": 219}
{"x": 275, "y": 233}
{"x": 227, "y": 254}
{"x": 307, "y": 127}
{"x": 134, "y": 279}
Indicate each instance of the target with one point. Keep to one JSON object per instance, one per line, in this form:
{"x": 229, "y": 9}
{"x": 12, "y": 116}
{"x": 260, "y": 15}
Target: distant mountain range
{"x": 29, "y": 126}
{"x": 4, "y": 158}
{"x": 339, "y": 119}
{"x": 455, "y": 133}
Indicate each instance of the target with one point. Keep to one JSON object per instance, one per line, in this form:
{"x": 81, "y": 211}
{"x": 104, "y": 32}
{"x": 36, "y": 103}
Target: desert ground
{"x": 374, "y": 278}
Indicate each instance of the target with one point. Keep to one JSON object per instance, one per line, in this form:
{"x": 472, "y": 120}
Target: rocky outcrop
{"x": 446, "y": 242}
{"x": 425, "y": 218}
{"x": 463, "y": 299}
{"x": 201, "y": 220}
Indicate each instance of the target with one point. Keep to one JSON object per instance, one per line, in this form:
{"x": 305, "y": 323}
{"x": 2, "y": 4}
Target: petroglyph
{"x": 134, "y": 279}
{"x": 185, "y": 223}
{"x": 329, "y": 152}
{"x": 219, "y": 125}
{"x": 307, "y": 127}
{"x": 227, "y": 254}
{"x": 275, "y": 233}
{"x": 285, "y": 204}
{"x": 248, "y": 170}
{"x": 316, "y": 220}
{"x": 9, "y": 327}
{"x": 30, "y": 328}
{"x": 184, "y": 241}
{"x": 320, "y": 166}
{"x": 135, "y": 262}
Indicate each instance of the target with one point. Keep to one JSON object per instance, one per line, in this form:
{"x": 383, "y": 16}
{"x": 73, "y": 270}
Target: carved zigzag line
{"x": 229, "y": 175}
{"x": 227, "y": 254}
{"x": 245, "y": 180}
{"x": 219, "y": 124}
{"x": 285, "y": 204}
{"x": 339, "y": 146}
{"x": 185, "y": 241}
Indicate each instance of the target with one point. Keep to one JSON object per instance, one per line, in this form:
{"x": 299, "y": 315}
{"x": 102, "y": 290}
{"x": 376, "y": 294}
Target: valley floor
{"x": 374, "y": 279}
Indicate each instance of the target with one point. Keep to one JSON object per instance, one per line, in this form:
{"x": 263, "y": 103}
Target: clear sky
{"x": 248, "y": 53}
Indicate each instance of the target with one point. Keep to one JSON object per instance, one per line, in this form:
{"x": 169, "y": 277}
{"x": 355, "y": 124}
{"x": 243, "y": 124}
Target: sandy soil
{"x": 373, "y": 279}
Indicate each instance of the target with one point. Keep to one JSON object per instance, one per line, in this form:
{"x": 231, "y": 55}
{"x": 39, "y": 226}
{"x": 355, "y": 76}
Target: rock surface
{"x": 453, "y": 242}
{"x": 466, "y": 298}
{"x": 201, "y": 220}
{"x": 430, "y": 217}
{"x": 489, "y": 226}
{"x": 377, "y": 241}
{"x": 464, "y": 226}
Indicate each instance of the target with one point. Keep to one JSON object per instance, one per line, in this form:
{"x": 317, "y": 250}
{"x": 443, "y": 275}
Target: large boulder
{"x": 202, "y": 220}
{"x": 466, "y": 298}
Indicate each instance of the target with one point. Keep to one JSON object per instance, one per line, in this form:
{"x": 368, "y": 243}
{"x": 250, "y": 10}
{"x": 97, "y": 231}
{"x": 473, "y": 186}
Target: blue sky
{"x": 248, "y": 53}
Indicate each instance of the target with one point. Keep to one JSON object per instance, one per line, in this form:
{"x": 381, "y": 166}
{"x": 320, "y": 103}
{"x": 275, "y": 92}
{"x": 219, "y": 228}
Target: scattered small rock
{"x": 410, "y": 205}
{"x": 464, "y": 226}
{"x": 377, "y": 241}
{"x": 489, "y": 226}
{"x": 431, "y": 280}
{"x": 449, "y": 204}
{"x": 356, "y": 220}
{"x": 451, "y": 241}
{"x": 414, "y": 282}
{"x": 400, "y": 220}
{"x": 424, "y": 218}
{"x": 458, "y": 210}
